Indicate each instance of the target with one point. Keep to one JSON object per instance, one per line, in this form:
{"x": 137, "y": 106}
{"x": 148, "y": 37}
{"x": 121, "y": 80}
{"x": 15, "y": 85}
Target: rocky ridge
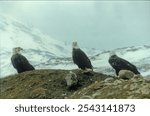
{"x": 51, "y": 84}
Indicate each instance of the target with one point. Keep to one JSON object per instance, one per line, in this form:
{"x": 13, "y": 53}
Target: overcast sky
{"x": 102, "y": 25}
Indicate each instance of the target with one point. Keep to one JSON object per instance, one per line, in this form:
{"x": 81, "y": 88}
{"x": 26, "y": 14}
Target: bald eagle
{"x": 80, "y": 58}
{"x": 19, "y": 62}
{"x": 121, "y": 64}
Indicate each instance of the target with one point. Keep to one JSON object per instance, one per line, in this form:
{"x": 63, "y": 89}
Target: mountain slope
{"x": 138, "y": 55}
{"x": 38, "y": 46}
{"x": 44, "y": 52}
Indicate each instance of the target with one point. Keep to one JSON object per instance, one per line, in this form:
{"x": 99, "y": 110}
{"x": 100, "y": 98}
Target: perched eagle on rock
{"x": 19, "y": 62}
{"x": 80, "y": 58}
{"x": 121, "y": 64}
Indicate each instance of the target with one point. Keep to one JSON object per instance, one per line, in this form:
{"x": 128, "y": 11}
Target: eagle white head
{"x": 17, "y": 50}
{"x": 75, "y": 45}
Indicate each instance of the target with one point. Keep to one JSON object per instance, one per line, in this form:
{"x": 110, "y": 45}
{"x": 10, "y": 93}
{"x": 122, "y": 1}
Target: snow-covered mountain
{"x": 44, "y": 52}
{"x": 139, "y": 56}
{"x": 38, "y": 47}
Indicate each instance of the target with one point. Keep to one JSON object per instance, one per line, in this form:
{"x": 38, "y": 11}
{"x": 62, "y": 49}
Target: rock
{"x": 125, "y": 74}
{"x": 117, "y": 82}
{"x": 86, "y": 97}
{"x": 71, "y": 79}
{"x": 145, "y": 90}
{"x": 147, "y": 79}
{"x": 138, "y": 76}
{"x": 126, "y": 87}
{"x": 88, "y": 72}
{"x": 109, "y": 79}
{"x": 133, "y": 86}
{"x": 137, "y": 80}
